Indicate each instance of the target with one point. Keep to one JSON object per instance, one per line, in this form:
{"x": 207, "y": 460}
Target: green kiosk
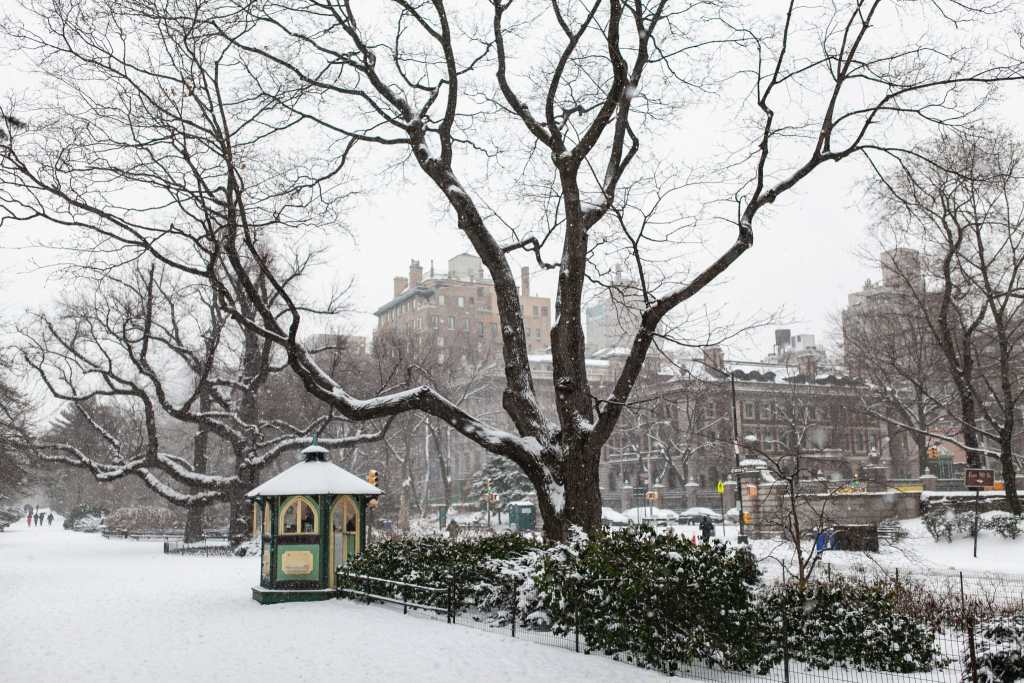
{"x": 311, "y": 518}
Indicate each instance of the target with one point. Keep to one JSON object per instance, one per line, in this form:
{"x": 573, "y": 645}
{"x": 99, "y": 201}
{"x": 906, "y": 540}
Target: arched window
{"x": 345, "y": 527}
{"x": 298, "y": 516}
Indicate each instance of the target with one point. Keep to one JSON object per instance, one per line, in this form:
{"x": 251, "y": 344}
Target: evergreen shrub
{"x": 471, "y": 568}
{"x": 850, "y": 624}
{"x": 657, "y": 600}
{"x": 999, "y": 650}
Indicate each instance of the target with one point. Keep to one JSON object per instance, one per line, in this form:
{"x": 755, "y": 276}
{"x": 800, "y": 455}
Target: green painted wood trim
{"x": 325, "y": 501}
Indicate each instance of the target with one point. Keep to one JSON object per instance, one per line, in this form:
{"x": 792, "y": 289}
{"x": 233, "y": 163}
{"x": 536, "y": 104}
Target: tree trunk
{"x": 194, "y": 523}
{"x": 194, "y": 519}
{"x": 580, "y": 504}
{"x": 1009, "y": 474}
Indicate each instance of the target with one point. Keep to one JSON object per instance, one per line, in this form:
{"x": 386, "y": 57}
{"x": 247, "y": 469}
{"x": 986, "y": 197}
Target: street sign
{"x": 978, "y": 478}
{"x": 720, "y": 487}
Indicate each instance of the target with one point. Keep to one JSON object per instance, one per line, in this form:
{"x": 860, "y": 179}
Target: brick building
{"x": 682, "y": 429}
{"x": 460, "y": 304}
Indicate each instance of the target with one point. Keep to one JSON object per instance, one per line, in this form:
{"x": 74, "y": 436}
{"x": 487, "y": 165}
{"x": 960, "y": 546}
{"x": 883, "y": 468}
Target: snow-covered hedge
{"x": 472, "y": 568}
{"x": 943, "y": 523}
{"x": 662, "y": 602}
{"x": 143, "y": 519}
{"x": 654, "y": 599}
{"x": 1000, "y": 650}
{"x": 850, "y": 624}
{"x": 1004, "y": 523}
{"x": 81, "y": 511}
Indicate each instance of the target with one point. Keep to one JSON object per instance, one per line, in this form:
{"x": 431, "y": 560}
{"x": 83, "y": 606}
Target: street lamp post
{"x": 742, "y": 538}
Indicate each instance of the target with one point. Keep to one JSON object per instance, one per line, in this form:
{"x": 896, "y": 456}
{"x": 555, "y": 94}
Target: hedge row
{"x": 662, "y": 602}
{"x": 944, "y": 523}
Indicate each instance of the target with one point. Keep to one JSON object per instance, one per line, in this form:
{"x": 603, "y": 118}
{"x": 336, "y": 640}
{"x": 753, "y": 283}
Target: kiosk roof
{"x": 314, "y": 477}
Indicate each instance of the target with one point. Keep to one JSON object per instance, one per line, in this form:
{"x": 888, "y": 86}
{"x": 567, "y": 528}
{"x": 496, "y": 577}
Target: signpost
{"x": 976, "y": 479}
{"x": 720, "y": 488}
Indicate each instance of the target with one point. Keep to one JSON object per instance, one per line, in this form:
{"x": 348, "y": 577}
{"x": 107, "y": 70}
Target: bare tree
{"x": 958, "y": 204}
{"x": 150, "y": 342}
{"x": 423, "y": 78}
{"x": 888, "y": 343}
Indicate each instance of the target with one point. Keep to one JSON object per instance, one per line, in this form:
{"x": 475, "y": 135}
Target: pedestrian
{"x": 707, "y": 529}
{"x": 29, "y": 520}
{"x": 49, "y": 519}
{"x": 36, "y": 518}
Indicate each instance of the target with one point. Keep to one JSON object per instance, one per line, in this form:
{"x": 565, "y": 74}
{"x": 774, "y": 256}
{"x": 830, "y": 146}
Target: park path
{"x": 78, "y": 607}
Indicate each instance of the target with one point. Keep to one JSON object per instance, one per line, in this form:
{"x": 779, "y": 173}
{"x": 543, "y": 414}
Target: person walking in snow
{"x": 29, "y": 519}
{"x": 707, "y": 529}
{"x": 49, "y": 519}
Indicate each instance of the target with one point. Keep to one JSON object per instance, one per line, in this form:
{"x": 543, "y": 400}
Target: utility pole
{"x": 736, "y": 452}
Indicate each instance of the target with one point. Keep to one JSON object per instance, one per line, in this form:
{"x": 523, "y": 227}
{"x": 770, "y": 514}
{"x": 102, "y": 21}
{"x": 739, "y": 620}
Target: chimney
{"x": 400, "y": 284}
{"x": 525, "y": 275}
{"x": 714, "y": 357}
{"x": 807, "y": 365}
{"x": 782, "y": 339}
{"x": 415, "y": 274}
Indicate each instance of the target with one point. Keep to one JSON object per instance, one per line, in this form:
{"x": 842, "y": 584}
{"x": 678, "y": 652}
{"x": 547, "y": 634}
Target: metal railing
{"x": 955, "y": 643}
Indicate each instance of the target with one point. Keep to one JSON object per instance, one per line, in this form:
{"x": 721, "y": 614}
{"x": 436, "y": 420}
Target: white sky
{"x": 803, "y": 261}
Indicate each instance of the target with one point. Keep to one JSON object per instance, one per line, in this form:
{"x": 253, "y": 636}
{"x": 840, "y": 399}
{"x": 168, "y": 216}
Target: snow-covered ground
{"x": 920, "y": 552}
{"x": 78, "y": 607}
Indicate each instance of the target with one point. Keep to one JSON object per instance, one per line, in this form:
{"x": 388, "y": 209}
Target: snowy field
{"x": 78, "y": 607}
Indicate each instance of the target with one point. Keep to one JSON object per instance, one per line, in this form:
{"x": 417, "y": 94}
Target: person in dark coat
{"x": 49, "y": 519}
{"x": 707, "y": 529}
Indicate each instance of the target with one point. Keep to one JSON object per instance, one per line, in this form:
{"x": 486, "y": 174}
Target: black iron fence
{"x": 961, "y": 601}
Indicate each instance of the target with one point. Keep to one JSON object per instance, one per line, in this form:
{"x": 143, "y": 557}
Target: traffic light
{"x": 933, "y": 452}
{"x": 372, "y": 478}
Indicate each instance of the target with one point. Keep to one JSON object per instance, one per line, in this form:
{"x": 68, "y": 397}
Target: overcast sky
{"x": 804, "y": 260}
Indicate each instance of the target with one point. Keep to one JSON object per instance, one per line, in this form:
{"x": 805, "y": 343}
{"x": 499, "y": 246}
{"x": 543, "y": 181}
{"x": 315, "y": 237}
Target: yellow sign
{"x": 297, "y": 562}
{"x": 720, "y": 487}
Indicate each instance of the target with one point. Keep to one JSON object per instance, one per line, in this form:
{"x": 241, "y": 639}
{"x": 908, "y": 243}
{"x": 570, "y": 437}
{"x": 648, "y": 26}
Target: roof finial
{"x": 314, "y": 451}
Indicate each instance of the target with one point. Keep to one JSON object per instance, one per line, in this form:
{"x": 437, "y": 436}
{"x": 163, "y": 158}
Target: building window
{"x": 298, "y": 516}
{"x": 766, "y": 412}
{"x": 461, "y": 302}
{"x": 465, "y": 325}
{"x": 440, "y": 300}
{"x": 544, "y": 311}
{"x": 451, "y": 322}
{"x": 470, "y": 301}
{"x": 748, "y": 410}
{"x": 536, "y": 311}
{"x": 494, "y": 329}
{"x": 481, "y": 330}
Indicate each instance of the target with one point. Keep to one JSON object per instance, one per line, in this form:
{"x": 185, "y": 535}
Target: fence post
{"x": 785, "y": 633}
{"x": 969, "y": 621}
{"x": 451, "y": 601}
{"x": 515, "y": 609}
{"x": 576, "y": 625}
